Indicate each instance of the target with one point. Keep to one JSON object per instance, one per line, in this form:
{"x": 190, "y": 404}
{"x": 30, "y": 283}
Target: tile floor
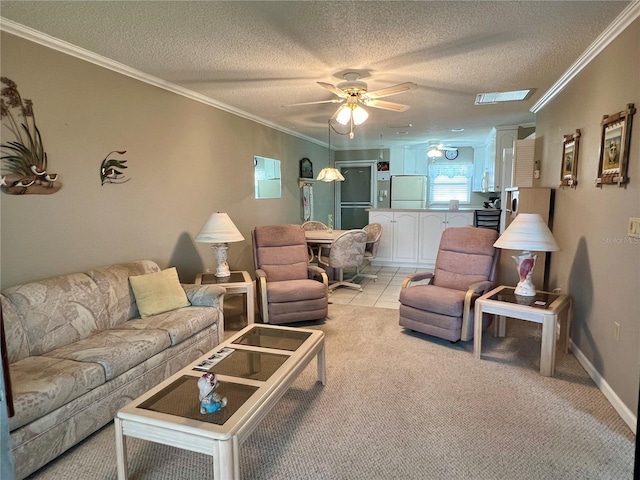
{"x": 382, "y": 293}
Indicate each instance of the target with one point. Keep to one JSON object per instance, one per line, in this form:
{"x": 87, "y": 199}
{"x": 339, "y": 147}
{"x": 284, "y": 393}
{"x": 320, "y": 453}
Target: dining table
{"x": 324, "y": 237}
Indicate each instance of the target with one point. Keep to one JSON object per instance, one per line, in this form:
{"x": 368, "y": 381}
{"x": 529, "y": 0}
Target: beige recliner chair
{"x": 465, "y": 269}
{"x": 289, "y": 289}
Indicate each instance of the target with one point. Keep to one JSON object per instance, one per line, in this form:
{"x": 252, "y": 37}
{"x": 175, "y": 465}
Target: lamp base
{"x": 221, "y": 253}
{"x": 526, "y": 262}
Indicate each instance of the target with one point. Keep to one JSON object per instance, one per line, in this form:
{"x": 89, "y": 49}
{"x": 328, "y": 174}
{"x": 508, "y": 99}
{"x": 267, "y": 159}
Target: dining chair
{"x": 313, "y": 247}
{"x": 347, "y": 251}
{"x": 487, "y": 219}
{"x": 374, "y": 232}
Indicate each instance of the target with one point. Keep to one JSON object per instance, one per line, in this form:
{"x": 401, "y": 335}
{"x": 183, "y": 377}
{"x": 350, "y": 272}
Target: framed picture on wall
{"x": 306, "y": 168}
{"x": 569, "y": 170}
{"x": 614, "y": 147}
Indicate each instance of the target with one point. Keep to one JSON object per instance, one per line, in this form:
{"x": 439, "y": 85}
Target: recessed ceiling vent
{"x": 496, "y": 97}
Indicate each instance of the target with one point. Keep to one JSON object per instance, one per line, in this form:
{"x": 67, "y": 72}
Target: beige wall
{"x": 186, "y": 160}
{"x": 599, "y": 265}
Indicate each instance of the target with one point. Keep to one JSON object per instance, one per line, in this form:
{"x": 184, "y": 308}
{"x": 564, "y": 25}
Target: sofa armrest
{"x": 318, "y": 272}
{"x": 481, "y": 287}
{"x": 205, "y": 295}
{"x": 416, "y": 277}
{"x": 474, "y": 291}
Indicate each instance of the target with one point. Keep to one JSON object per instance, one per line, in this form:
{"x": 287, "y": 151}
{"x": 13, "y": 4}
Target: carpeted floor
{"x": 401, "y": 405}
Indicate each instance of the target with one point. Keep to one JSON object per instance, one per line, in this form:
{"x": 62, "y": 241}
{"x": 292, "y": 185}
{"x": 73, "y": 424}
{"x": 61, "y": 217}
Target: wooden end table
{"x": 545, "y": 308}
{"x": 238, "y": 282}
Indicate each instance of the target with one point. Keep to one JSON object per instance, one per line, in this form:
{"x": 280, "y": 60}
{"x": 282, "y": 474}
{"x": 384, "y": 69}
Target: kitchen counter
{"x": 468, "y": 208}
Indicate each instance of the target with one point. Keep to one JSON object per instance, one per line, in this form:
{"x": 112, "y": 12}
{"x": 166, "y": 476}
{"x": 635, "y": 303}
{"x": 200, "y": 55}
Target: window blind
{"x": 450, "y": 182}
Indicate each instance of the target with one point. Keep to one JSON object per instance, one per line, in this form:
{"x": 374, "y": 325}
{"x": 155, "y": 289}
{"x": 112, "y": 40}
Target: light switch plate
{"x": 634, "y": 227}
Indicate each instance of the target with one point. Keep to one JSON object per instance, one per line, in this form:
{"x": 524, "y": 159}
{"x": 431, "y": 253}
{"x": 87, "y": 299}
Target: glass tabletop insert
{"x": 210, "y": 278}
{"x": 180, "y": 398}
{"x": 272, "y": 338}
{"x": 246, "y": 364}
{"x": 541, "y": 299}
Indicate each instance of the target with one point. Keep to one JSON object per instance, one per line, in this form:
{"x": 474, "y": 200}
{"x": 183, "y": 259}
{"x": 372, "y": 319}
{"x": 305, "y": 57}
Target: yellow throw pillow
{"x": 158, "y": 292}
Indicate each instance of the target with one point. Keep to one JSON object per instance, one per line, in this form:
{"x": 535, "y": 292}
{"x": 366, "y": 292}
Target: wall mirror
{"x": 267, "y": 177}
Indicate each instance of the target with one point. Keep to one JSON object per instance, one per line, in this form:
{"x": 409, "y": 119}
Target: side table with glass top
{"x": 545, "y": 308}
{"x": 237, "y": 282}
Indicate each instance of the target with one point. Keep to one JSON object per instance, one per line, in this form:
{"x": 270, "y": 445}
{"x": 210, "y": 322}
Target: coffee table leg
{"x": 226, "y": 463}
{"x": 121, "y": 451}
{"x": 322, "y": 368}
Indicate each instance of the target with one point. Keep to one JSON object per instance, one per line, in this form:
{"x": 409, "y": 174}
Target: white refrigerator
{"x": 408, "y": 191}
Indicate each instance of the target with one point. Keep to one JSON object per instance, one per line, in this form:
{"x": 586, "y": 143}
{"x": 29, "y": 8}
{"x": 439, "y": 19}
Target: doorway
{"x": 356, "y": 194}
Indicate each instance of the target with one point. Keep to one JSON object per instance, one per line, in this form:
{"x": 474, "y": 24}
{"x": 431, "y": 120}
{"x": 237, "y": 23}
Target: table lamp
{"x": 220, "y": 231}
{"x": 527, "y": 232}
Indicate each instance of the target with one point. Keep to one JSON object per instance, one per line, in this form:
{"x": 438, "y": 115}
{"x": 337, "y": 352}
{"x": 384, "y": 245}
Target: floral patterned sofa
{"x": 79, "y": 351}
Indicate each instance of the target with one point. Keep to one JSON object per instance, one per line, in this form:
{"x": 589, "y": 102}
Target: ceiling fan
{"x": 437, "y": 149}
{"x": 354, "y": 95}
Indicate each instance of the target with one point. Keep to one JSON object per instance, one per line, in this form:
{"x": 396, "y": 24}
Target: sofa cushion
{"x": 42, "y": 384}
{"x": 57, "y": 311}
{"x": 117, "y": 350}
{"x": 443, "y": 301}
{"x": 158, "y": 292}
{"x": 295, "y": 290}
{"x": 178, "y": 324}
{"x": 113, "y": 282}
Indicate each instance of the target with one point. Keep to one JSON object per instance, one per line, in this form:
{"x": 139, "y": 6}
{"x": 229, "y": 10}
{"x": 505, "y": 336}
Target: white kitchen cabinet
{"x": 415, "y": 162}
{"x": 405, "y": 237}
{"x": 385, "y": 219}
{"x": 412, "y": 238}
{"x": 499, "y": 139}
{"x": 399, "y": 239}
{"x": 431, "y": 226}
{"x": 396, "y": 160}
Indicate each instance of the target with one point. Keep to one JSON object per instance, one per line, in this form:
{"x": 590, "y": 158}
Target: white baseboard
{"x": 625, "y": 413}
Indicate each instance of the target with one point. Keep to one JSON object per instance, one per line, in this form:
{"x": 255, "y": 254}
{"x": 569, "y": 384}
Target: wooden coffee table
{"x": 264, "y": 362}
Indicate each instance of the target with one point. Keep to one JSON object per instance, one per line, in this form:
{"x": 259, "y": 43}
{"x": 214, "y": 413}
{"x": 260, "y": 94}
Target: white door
{"x": 356, "y": 194}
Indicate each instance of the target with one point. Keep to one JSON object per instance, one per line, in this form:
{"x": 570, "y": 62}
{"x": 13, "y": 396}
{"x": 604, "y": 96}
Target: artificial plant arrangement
{"x": 24, "y": 161}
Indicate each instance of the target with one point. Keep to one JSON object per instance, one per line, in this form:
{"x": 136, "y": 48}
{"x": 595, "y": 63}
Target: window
{"x": 450, "y": 181}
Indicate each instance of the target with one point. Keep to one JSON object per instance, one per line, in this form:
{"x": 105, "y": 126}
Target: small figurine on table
{"x": 209, "y": 400}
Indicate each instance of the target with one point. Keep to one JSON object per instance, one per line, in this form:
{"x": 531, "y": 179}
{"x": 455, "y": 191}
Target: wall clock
{"x": 450, "y": 154}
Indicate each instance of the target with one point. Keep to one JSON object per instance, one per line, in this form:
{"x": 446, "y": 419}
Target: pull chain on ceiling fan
{"x": 354, "y": 95}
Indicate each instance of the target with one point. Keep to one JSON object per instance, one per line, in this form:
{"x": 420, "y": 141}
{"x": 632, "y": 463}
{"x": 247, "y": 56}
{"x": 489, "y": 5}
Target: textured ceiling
{"x": 259, "y": 56}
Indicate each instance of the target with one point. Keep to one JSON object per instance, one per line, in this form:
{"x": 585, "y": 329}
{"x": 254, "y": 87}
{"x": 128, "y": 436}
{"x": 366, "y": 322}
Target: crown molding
{"x": 622, "y": 21}
{"x": 41, "y": 38}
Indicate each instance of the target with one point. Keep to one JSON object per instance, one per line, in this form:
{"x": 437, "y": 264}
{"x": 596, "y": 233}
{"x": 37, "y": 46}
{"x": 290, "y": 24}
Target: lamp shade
{"x": 528, "y": 231}
{"x": 330, "y": 174}
{"x": 219, "y": 229}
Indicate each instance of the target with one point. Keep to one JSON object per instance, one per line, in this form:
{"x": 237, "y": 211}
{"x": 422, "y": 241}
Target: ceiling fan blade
{"x": 314, "y": 103}
{"x": 333, "y": 89}
{"x": 394, "y": 90}
{"x": 395, "y": 107}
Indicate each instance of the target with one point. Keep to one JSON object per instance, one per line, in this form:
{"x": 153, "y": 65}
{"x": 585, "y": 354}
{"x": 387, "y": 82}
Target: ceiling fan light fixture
{"x": 348, "y": 111}
{"x": 359, "y": 115}
{"x": 434, "y": 152}
{"x": 344, "y": 115}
